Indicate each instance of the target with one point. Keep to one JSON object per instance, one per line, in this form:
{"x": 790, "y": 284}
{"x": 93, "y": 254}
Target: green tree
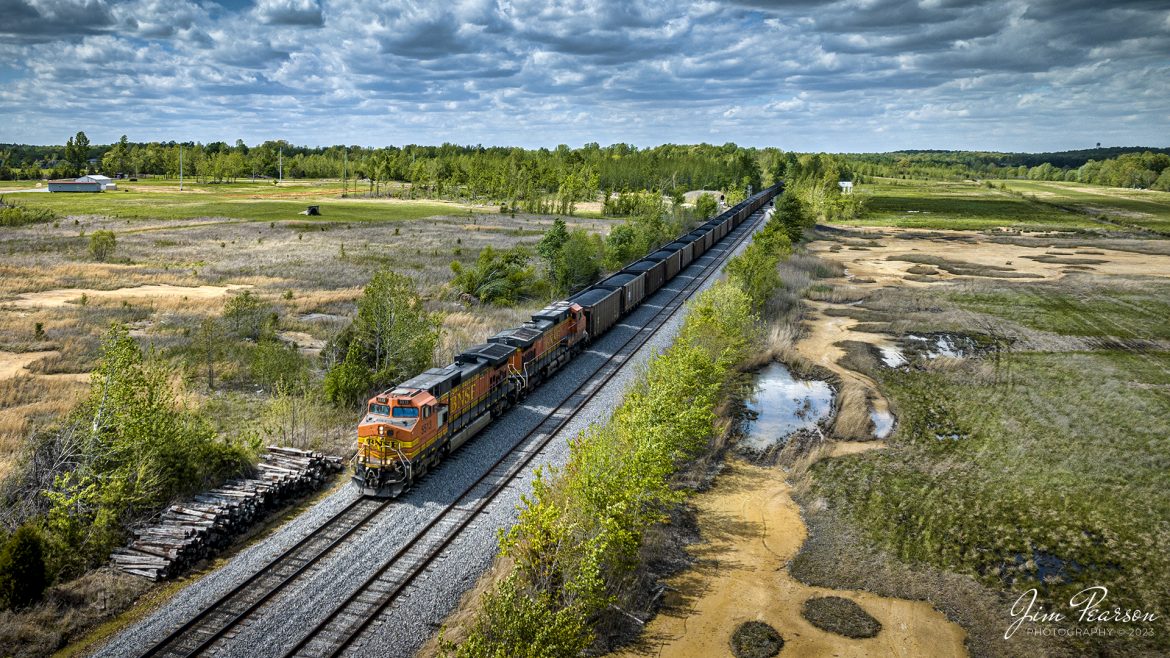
{"x": 550, "y": 246}
{"x": 392, "y": 339}
{"x": 77, "y": 151}
{"x": 247, "y": 314}
{"x": 348, "y": 382}
{"x": 579, "y": 261}
{"x": 102, "y": 245}
{"x": 793, "y": 215}
{"x": 706, "y": 205}
{"x": 139, "y": 447}
{"x": 22, "y": 569}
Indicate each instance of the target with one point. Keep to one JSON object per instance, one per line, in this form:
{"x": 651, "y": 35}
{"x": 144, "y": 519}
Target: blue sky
{"x": 838, "y": 75}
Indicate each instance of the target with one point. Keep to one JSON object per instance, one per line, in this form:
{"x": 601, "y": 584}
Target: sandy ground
{"x": 871, "y": 262}
{"x": 13, "y": 364}
{"x": 753, "y": 528}
{"x": 58, "y": 298}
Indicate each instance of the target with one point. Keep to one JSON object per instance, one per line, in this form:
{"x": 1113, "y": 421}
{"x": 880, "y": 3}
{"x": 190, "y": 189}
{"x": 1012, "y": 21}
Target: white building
{"x": 106, "y": 182}
{"x": 846, "y": 186}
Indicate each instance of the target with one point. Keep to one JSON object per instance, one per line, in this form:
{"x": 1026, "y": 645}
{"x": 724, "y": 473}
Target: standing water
{"x": 782, "y": 404}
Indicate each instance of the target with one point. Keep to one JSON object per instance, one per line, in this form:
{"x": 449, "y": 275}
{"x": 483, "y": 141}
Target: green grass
{"x": 1144, "y": 209}
{"x": 959, "y": 206}
{"x": 1063, "y": 457}
{"x": 157, "y": 199}
{"x": 1126, "y": 314}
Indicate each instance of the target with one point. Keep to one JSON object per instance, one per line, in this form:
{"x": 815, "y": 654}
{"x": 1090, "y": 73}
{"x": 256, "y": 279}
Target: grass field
{"x": 1143, "y": 209}
{"x": 161, "y": 199}
{"x": 975, "y": 206}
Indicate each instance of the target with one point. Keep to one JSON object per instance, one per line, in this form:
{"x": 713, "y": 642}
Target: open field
{"x": 1145, "y": 209}
{"x": 975, "y": 206}
{"x": 180, "y": 257}
{"x": 161, "y": 199}
{"x": 1033, "y": 455}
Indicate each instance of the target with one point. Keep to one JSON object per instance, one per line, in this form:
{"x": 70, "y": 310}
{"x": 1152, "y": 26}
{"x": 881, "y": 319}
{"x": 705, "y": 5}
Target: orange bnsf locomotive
{"x": 408, "y": 428}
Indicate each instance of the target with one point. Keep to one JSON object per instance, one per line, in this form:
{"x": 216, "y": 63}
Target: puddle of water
{"x": 892, "y": 356}
{"x": 883, "y": 423}
{"x": 782, "y": 405}
{"x": 941, "y": 345}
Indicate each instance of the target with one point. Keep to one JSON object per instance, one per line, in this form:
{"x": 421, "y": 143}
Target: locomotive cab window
{"x": 381, "y": 409}
{"x": 405, "y": 412}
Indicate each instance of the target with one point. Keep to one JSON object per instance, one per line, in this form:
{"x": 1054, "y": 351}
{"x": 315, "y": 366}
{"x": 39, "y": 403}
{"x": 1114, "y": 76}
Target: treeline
{"x": 555, "y": 177}
{"x": 1136, "y": 168}
{"x": 575, "y": 550}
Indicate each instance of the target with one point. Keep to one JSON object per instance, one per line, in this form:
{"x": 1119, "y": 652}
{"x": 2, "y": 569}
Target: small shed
{"x": 846, "y": 186}
{"x": 74, "y": 186}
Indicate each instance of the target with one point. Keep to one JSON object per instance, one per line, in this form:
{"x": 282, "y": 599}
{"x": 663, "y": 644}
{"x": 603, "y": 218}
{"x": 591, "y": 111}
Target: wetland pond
{"x": 781, "y": 404}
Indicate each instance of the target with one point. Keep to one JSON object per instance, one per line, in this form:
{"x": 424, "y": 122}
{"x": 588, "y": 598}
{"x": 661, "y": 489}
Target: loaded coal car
{"x": 633, "y": 287}
{"x": 701, "y": 241}
{"x": 655, "y": 271}
{"x": 672, "y": 259}
{"x": 685, "y": 251}
{"x": 602, "y": 307}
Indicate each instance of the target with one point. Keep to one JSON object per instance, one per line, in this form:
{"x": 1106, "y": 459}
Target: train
{"x": 409, "y": 428}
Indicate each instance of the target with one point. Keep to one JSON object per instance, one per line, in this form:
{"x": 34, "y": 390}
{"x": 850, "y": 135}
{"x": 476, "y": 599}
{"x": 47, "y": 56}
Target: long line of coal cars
{"x": 410, "y": 427}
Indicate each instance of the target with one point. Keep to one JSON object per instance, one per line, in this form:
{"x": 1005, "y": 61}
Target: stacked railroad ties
{"x": 200, "y": 527}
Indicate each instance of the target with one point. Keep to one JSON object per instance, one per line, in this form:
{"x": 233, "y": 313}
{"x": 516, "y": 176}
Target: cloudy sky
{"x": 842, "y": 75}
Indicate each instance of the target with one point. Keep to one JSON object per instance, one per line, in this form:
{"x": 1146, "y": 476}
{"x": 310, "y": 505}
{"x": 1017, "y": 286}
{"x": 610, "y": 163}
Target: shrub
{"x": 706, "y": 205}
{"x": 102, "y": 245}
{"x": 274, "y": 364}
{"x": 499, "y": 276}
{"x": 22, "y": 569}
{"x": 12, "y": 214}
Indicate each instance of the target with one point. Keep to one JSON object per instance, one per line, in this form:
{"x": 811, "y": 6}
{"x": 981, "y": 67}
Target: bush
{"x": 102, "y": 245}
{"x": 12, "y": 214}
{"x": 755, "y": 639}
{"x": 499, "y": 276}
{"x": 706, "y": 205}
{"x": 275, "y": 364}
{"x": 22, "y": 569}
{"x": 247, "y": 314}
{"x": 839, "y": 615}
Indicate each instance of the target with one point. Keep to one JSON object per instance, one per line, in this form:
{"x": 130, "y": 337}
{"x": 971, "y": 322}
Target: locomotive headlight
{"x": 381, "y": 430}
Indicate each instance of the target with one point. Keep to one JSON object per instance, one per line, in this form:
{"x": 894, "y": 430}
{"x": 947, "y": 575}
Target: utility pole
{"x": 180, "y": 167}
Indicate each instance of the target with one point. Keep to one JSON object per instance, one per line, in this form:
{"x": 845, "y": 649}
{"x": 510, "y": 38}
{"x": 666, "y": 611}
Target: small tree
{"x": 246, "y": 314}
{"x": 706, "y": 206}
{"x": 793, "y": 215}
{"x": 102, "y": 245}
{"x": 22, "y": 569}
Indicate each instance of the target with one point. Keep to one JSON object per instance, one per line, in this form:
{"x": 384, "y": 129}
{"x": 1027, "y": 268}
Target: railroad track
{"x": 219, "y": 619}
{"x": 344, "y": 625}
